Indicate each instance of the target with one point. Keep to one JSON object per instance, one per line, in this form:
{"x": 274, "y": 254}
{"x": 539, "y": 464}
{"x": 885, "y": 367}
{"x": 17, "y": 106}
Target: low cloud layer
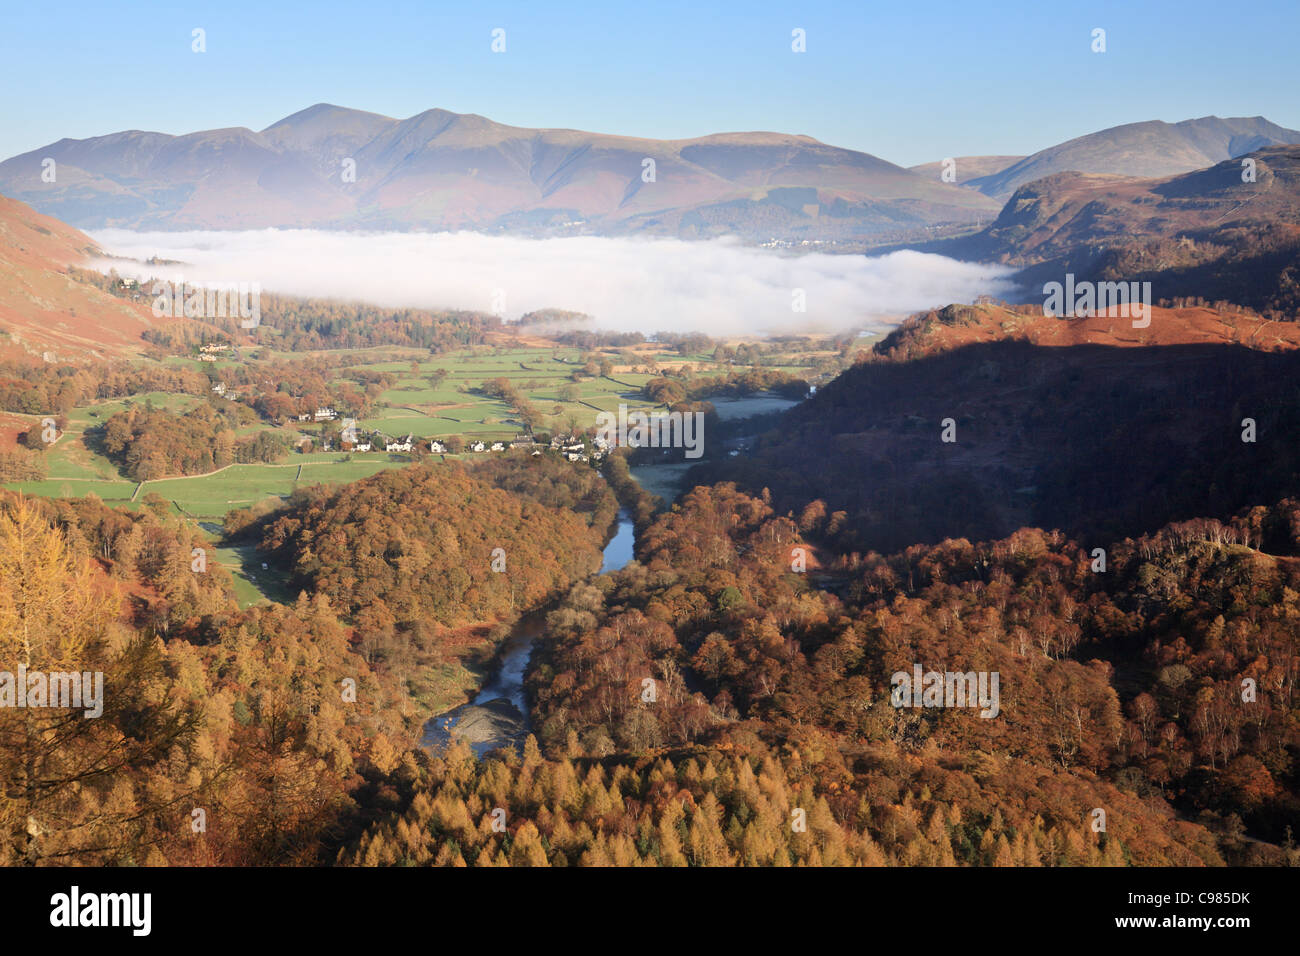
{"x": 719, "y": 287}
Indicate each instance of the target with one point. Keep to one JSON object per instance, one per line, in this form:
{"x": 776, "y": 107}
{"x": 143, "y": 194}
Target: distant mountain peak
{"x": 323, "y": 111}
{"x": 1150, "y": 149}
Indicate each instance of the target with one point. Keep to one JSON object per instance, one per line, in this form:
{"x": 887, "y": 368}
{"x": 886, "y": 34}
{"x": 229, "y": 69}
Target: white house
{"x": 326, "y": 414}
{"x": 437, "y": 447}
{"x": 477, "y": 446}
{"x": 361, "y": 446}
{"x": 498, "y": 446}
{"x": 403, "y": 445}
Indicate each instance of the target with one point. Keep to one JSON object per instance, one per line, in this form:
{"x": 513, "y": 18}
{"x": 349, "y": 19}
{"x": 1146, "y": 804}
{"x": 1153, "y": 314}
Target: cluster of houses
{"x": 323, "y": 414}
{"x": 209, "y": 352}
{"x": 574, "y": 448}
{"x": 439, "y": 447}
{"x": 571, "y": 447}
{"x": 358, "y": 442}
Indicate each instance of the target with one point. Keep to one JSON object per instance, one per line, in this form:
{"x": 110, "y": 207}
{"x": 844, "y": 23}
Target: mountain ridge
{"x": 334, "y": 167}
{"x": 1149, "y": 149}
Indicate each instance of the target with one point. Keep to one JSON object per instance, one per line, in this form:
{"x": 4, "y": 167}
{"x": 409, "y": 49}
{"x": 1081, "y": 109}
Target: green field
{"x": 253, "y": 583}
{"x": 239, "y": 486}
{"x": 71, "y": 457}
{"x": 212, "y": 496}
{"x": 114, "y": 492}
{"x": 416, "y": 406}
{"x": 413, "y": 405}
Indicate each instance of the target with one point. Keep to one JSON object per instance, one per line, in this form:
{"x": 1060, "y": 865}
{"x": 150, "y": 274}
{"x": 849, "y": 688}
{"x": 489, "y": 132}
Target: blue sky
{"x": 910, "y": 82}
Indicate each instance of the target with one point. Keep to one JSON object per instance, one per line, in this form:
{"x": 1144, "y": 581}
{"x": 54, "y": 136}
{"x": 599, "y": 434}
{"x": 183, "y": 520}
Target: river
{"x": 619, "y": 550}
{"x": 498, "y": 714}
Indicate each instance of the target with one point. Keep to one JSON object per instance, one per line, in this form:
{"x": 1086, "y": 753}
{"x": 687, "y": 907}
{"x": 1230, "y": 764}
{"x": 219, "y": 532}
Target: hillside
{"x": 955, "y": 326}
{"x": 443, "y": 170}
{"x": 408, "y": 548}
{"x": 43, "y": 310}
{"x": 1205, "y": 234}
{"x": 1092, "y": 439}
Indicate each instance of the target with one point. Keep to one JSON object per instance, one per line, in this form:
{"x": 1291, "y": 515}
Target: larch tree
{"x": 59, "y": 624}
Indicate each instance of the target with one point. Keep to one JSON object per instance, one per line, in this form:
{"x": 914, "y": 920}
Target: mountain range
{"x": 336, "y": 168}
{"x": 1152, "y": 149}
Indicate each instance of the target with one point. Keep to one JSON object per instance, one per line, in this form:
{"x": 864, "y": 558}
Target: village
{"x": 653, "y": 429}
{"x": 351, "y": 440}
